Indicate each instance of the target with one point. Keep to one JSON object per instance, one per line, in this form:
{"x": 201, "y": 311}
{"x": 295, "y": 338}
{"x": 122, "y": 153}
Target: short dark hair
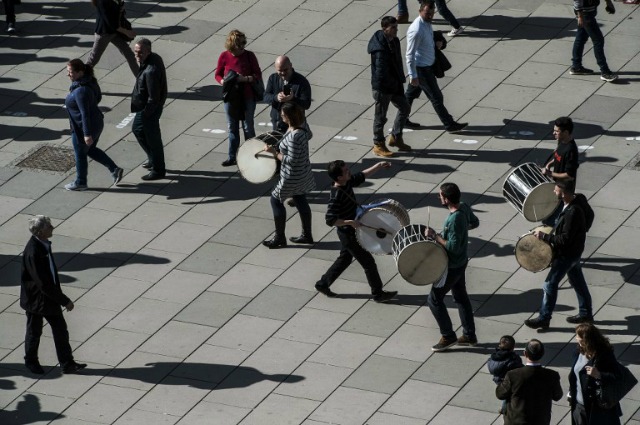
{"x": 144, "y": 42}
{"x": 507, "y": 343}
{"x": 294, "y": 113}
{"x": 335, "y": 169}
{"x": 564, "y": 124}
{"x": 567, "y": 186}
{"x": 451, "y": 191}
{"x": 534, "y": 350}
{"x": 388, "y": 20}
{"x": 427, "y": 3}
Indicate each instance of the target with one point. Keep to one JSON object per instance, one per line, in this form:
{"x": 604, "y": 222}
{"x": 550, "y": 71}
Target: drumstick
{"x": 264, "y": 155}
{"x": 379, "y": 229}
{"x": 428, "y": 216}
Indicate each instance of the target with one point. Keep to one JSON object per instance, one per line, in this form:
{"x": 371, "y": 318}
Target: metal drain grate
{"x": 58, "y": 159}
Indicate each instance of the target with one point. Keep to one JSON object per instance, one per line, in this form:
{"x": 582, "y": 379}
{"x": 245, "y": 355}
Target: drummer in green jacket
{"x": 454, "y": 238}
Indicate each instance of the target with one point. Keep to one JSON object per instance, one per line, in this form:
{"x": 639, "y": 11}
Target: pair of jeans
{"x": 382, "y": 101}
{"x": 429, "y": 85}
{"x": 280, "y": 213}
{"x": 441, "y": 5}
{"x": 589, "y": 30}
{"x": 352, "y": 249}
{"x": 100, "y": 44}
{"x": 233, "y": 125}
{"x": 147, "y": 132}
{"x": 60, "y": 337}
{"x": 82, "y": 151}
{"x": 457, "y": 284}
{"x": 559, "y": 268}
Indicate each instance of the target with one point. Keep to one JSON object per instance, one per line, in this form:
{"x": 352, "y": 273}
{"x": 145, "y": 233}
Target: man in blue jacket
{"x": 387, "y": 83}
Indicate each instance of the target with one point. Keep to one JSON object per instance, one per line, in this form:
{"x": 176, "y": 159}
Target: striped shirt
{"x": 421, "y": 49}
{"x": 342, "y": 201}
{"x": 296, "y": 175}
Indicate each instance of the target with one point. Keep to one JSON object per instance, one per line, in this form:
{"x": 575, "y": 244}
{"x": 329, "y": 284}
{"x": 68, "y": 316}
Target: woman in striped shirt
{"x": 296, "y": 176}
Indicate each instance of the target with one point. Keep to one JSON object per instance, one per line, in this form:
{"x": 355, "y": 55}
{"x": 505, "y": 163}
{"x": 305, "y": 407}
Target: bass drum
{"x": 379, "y": 222}
{"x": 530, "y": 192}
{"x": 256, "y": 165}
{"x": 532, "y": 253}
{"x": 420, "y": 261}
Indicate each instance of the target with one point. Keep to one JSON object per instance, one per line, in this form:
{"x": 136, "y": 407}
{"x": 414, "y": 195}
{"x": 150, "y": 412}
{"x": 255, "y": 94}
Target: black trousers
{"x": 351, "y": 249}
{"x": 60, "y": 337}
{"x": 10, "y": 11}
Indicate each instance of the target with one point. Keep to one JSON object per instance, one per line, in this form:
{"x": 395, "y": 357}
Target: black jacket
{"x": 529, "y": 390}
{"x": 501, "y": 362}
{"x": 300, "y": 88}
{"x": 150, "y": 90}
{"x": 40, "y": 293}
{"x": 570, "y": 233}
{"x": 387, "y": 74}
{"x": 108, "y": 16}
{"x": 604, "y": 362}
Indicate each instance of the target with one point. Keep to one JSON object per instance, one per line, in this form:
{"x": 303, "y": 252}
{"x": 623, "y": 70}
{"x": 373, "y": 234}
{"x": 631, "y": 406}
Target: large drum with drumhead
{"x": 420, "y": 261}
{"x": 534, "y": 254}
{"x": 256, "y": 165}
{"x": 379, "y": 222}
{"x": 530, "y": 192}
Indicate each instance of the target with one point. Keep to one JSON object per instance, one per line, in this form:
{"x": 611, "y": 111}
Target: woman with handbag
{"x": 109, "y": 29}
{"x": 87, "y": 123}
{"x": 594, "y": 367}
{"x": 244, "y": 83}
{"x": 296, "y": 176}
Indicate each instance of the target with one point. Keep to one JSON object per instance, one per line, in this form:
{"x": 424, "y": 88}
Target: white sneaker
{"x": 455, "y": 31}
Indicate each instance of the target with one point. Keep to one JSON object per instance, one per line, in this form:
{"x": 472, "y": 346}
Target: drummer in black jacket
{"x": 341, "y": 213}
{"x": 567, "y": 239}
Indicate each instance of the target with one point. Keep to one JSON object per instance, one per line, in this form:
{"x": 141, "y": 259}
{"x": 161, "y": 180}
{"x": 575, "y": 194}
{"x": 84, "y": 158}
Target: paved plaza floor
{"x": 185, "y": 318}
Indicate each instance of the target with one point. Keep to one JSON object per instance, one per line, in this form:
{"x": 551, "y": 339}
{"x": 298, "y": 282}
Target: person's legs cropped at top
{"x": 248, "y": 127}
{"x": 439, "y": 309}
{"x": 233, "y": 127}
{"x": 381, "y": 107}
{"x": 589, "y": 29}
{"x": 443, "y": 10}
{"x": 60, "y": 338}
{"x": 403, "y": 10}
{"x": 365, "y": 259}
{"x": 125, "y": 49}
{"x": 461, "y": 298}
{"x": 10, "y": 12}
{"x": 80, "y": 150}
{"x": 339, "y": 265}
{"x": 147, "y": 132}
{"x": 401, "y": 104}
{"x": 559, "y": 268}
{"x": 429, "y": 85}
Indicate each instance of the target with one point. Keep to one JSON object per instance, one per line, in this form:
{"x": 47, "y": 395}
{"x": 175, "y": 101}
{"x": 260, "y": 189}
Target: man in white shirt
{"x": 421, "y": 56}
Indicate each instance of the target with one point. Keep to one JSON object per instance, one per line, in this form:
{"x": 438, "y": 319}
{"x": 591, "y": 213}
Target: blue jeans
{"x": 457, "y": 284}
{"x": 147, "y": 132}
{"x": 82, "y": 151}
{"x": 441, "y": 5}
{"x": 382, "y": 101}
{"x": 233, "y": 126}
{"x": 429, "y": 85}
{"x": 590, "y": 29}
{"x": 559, "y": 268}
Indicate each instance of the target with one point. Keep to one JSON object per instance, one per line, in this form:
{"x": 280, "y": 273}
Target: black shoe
{"x": 11, "y": 28}
{"x": 325, "y": 290}
{"x": 445, "y": 343}
{"x": 581, "y": 71}
{"x": 577, "y": 319}
{"x": 301, "y": 239}
{"x": 410, "y": 124}
{"x": 153, "y": 176}
{"x": 275, "y": 243}
{"x": 468, "y": 341}
{"x": 147, "y": 165}
{"x": 384, "y": 296}
{"x": 73, "y": 367}
{"x": 35, "y": 368}
{"x": 457, "y": 126}
{"x": 229, "y": 162}
{"x": 117, "y": 176}
{"x": 537, "y": 323}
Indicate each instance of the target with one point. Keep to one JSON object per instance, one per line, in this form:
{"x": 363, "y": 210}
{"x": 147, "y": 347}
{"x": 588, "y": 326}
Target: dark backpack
{"x": 589, "y": 215}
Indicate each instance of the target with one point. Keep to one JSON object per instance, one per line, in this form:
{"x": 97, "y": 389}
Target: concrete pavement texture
{"x": 185, "y": 318}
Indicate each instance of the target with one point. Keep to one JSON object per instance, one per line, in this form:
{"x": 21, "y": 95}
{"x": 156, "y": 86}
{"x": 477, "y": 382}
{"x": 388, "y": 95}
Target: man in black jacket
{"x": 41, "y": 297}
{"x": 286, "y": 85}
{"x": 530, "y": 389}
{"x": 567, "y": 239}
{"x": 147, "y": 101}
{"x": 387, "y": 83}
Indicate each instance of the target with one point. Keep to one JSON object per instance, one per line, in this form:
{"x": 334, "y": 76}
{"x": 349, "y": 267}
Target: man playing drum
{"x": 341, "y": 213}
{"x": 568, "y": 240}
{"x": 563, "y": 164}
{"x": 454, "y": 238}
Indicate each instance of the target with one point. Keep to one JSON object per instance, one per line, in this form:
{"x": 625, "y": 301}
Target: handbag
{"x": 124, "y": 23}
{"x": 609, "y": 394}
{"x": 258, "y": 89}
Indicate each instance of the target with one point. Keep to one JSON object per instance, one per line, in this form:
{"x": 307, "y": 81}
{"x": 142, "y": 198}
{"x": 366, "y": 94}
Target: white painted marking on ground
{"x": 584, "y": 148}
{"x": 126, "y": 120}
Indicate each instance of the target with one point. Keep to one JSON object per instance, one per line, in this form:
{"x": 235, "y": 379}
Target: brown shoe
{"x": 381, "y": 150}
{"x": 402, "y": 19}
{"x": 397, "y": 142}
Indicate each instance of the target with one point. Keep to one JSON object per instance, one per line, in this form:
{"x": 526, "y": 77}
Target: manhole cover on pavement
{"x": 58, "y": 159}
